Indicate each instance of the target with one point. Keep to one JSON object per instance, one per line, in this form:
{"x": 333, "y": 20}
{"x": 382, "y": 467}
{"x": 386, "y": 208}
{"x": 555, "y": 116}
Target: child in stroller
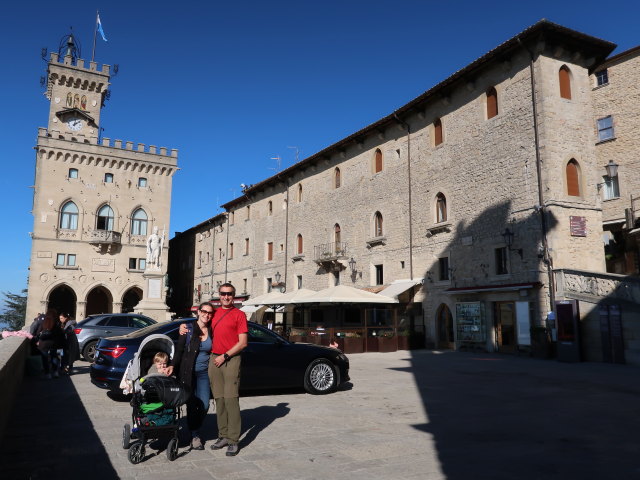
{"x": 156, "y": 399}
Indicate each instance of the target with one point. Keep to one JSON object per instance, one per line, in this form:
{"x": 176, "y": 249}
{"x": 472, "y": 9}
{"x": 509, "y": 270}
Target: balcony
{"x": 330, "y": 253}
{"x": 104, "y": 237}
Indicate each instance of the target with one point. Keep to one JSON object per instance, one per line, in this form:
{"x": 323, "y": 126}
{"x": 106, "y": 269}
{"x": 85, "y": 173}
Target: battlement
{"x": 108, "y": 142}
{"x": 80, "y": 64}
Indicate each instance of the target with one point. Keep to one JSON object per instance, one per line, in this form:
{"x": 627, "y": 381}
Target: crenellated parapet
{"x": 115, "y": 154}
{"x": 90, "y": 78}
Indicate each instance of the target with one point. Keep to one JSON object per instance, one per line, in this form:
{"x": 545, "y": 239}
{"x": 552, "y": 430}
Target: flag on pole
{"x": 100, "y": 29}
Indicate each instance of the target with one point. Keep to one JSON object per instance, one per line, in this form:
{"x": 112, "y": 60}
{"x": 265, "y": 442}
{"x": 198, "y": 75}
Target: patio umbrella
{"x": 346, "y": 294}
{"x": 261, "y": 299}
{"x": 290, "y": 297}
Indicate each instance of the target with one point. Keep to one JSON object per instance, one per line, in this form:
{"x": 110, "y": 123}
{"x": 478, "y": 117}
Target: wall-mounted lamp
{"x": 612, "y": 171}
{"x": 429, "y": 276}
{"x": 278, "y": 284}
{"x": 278, "y": 277}
{"x": 352, "y": 265}
{"x": 508, "y": 239}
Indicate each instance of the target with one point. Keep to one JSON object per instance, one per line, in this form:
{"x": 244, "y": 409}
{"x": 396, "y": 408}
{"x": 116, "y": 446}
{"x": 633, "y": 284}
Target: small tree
{"x": 15, "y": 310}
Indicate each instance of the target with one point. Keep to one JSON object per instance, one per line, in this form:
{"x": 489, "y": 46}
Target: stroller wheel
{"x": 136, "y": 452}
{"x": 172, "y": 449}
{"x": 126, "y": 436}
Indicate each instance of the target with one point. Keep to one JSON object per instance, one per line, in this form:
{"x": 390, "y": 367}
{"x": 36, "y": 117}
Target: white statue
{"x": 154, "y": 250}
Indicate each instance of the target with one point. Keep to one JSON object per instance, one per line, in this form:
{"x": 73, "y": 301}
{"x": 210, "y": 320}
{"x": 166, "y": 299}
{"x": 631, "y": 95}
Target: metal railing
{"x": 104, "y": 236}
{"x": 327, "y": 252}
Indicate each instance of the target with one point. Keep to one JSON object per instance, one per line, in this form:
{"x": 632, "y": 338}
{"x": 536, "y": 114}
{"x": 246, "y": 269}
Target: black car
{"x": 268, "y": 362}
{"x": 95, "y": 327}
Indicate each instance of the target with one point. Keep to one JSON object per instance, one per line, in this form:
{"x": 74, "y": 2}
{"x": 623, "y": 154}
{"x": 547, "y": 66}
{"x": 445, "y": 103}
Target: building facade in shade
{"x": 97, "y": 203}
{"x": 466, "y": 198}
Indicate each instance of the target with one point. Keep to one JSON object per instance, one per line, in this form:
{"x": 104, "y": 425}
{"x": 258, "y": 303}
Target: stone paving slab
{"x": 406, "y": 415}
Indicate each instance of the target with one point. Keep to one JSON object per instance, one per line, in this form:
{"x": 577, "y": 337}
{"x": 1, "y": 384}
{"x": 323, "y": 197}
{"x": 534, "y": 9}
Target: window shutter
{"x": 573, "y": 183}
{"x": 492, "y": 103}
{"x": 437, "y": 132}
{"x": 565, "y": 83}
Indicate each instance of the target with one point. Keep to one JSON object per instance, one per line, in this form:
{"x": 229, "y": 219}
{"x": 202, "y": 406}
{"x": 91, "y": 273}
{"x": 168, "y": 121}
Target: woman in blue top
{"x": 190, "y": 365}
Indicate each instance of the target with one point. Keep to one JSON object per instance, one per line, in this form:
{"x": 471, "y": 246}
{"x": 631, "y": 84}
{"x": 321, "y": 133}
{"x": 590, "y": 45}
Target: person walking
{"x": 230, "y": 334}
{"x": 70, "y": 349}
{"x": 191, "y": 365}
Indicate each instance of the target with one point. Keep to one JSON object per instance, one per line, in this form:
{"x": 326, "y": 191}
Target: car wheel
{"x": 136, "y": 452}
{"x": 89, "y": 351}
{"x": 321, "y": 377}
{"x": 126, "y": 436}
{"x": 172, "y": 449}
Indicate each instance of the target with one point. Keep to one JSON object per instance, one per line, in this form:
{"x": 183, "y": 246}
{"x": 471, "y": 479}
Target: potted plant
{"x": 387, "y": 341}
{"x": 353, "y": 342}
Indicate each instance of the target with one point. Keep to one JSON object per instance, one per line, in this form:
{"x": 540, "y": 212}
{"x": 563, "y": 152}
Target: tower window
{"x": 336, "y": 178}
{"x": 379, "y": 275}
{"x": 437, "y": 132}
{"x": 492, "y": 103}
{"x": 139, "y": 222}
{"x": 602, "y": 77}
{"x": 441, "y": 208}
{"x": 108, "y": 178}
{"x": 564, "y": 78}
{"x": 105, "y": 218}
{"x": 573, "y": 178}
{"x": 300, "y": 245}
{"x": 69, "y": 216}
{"x": 605, "y": 128}
{"x": 142, "y": 182}
{"x": 73, "y": 173}
{"x": 377, "y": 161}
{"x": 501, "y": 261}
{"x": 270, "y": 208}
{"x": 377, "y": 225}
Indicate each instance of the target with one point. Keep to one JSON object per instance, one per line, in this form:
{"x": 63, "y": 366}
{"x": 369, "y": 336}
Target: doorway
{"x": 99, "y": 300}
{"x": 63, "y": 299}
{"x": 444, "y": 322}
{"x": 130, "y": 299}
{"x": 505, "y": 325}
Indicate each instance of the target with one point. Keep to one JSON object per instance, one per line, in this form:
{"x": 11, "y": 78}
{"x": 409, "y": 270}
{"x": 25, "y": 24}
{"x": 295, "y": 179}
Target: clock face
{"x": 74, "y": 124}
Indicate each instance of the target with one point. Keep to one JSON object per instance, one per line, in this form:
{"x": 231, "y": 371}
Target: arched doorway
{"x": 130, "y": 299}
{"x": 444, "y": 324}
{"x": 63, "y": 299}
{"x": 99, "y": 300}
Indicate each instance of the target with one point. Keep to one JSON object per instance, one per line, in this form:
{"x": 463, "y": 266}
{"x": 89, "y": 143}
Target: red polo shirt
{"x": 226, "y": 331}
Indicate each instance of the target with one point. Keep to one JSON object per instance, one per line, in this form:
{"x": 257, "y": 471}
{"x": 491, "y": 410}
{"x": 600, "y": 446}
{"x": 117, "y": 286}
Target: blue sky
{"x": 232, "y": 85}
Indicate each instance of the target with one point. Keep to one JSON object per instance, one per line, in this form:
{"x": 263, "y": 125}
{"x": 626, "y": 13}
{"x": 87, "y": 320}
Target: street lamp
{"x": 508, "y": 239}
{"x": 612, "y": 172}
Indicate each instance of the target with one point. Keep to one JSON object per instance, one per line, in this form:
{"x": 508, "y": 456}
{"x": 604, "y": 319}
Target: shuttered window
{"x": 492, "y": 103}
{"x": 437, "y": 132}
{"x": 565, "y": 82}
{"x": 300, "y": 245}
{"x": 336, "y": 178}
{"x": 269, "y": 251}
{"x": 573, "y": 178}
{"x": 378, "y": 161}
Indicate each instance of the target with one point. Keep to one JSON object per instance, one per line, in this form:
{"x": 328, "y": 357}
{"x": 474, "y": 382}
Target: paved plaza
{"x": 405, "y": 415}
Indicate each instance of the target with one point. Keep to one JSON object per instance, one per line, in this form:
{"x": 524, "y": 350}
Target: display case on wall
{"x": 470, "y": 325}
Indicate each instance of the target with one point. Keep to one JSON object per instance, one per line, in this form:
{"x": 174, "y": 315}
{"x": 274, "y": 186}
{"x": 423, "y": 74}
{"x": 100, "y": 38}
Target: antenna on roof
{"x": 278, "y": 162}
{"x": 297, "y": 153}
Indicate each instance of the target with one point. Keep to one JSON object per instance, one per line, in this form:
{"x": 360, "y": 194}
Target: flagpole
{"x": 95, "y": 32}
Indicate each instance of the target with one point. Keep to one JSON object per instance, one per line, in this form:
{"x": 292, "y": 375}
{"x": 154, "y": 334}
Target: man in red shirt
{"x": 230, "y": 334}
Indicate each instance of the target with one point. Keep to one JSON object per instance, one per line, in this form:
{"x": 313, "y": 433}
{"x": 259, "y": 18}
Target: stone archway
{"x": 99, "y": 300}
{"x": 130, "y": 299}
{"x": 444, "y": 323}
{"x": 63, "y": 299}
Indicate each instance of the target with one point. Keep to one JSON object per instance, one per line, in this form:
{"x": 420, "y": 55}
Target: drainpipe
{"x": 226, "y": 251}
{"x": 542, "y": 214}
{"x": 408, "y": 127}
{"x": 286, "y": 231}
{"x": 213, "y": 255}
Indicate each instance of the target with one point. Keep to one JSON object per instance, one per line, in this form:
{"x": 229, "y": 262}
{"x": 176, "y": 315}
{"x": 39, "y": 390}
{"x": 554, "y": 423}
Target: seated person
{"x": 160, "y": 361}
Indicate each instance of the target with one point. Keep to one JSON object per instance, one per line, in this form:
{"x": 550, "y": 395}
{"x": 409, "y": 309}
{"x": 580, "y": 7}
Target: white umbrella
{"x": 346, "y": 294}
{"x": 261, "y": 299}
{"x": 291, "y": 297}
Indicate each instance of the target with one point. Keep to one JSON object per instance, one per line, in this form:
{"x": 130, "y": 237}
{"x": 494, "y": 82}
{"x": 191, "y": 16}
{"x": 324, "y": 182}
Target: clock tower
{"x": 98, "y": 203}
{"x": 76, "y": 93}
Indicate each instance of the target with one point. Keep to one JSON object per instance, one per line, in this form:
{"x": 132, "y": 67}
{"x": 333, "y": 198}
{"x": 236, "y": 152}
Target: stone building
{"x": 96, "y": 204}
{"x": 467, "y": 199}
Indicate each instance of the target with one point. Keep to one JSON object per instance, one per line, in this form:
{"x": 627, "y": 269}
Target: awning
{"x": 399, "y": 287}
{"x": 251, "y": 308}
{"x": 492, "y": 288}
{"x": 346, "y": 294}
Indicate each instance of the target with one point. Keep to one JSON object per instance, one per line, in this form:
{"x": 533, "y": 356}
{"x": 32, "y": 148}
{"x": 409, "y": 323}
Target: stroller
{"x": 156, "y": 400}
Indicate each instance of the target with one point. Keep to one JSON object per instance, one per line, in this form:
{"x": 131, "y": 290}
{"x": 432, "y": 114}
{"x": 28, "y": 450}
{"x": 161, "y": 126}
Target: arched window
{"x": 299, "y": 245}
{"x": 105, "y": 218}
{"x": 377, "y": 225}
{"x": 269, "y": 208}
{"x": 337, "y": 238}
{"x": 437, "y": 132}
{"x": 441, "y": 208}
{"x": 336, "y": 178}
{"x": 378, "y": 161}
{"x": 69, "y": 216}
{"x": 564, "y": 77}
{"x": 492, "y": 103}
{"x": 300, "y": 193}
{"x": 573, "y": 178}
{"x": 139, "y": 222}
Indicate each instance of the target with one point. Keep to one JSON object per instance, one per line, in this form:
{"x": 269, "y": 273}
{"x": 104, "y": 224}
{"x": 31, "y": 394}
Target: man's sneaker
{"x": 232, "y": 450}
{"x": 219, "y": 443}
{"x": 196, "y": 444}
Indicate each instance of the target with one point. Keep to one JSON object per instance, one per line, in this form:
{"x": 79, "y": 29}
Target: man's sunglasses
{"x": 226, "y": 294}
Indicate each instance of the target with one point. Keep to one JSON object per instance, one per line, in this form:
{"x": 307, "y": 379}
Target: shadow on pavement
{"x": 255, "y": 420}
{"x": 50, "y": 435}
{"x": 501, "y": 417}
